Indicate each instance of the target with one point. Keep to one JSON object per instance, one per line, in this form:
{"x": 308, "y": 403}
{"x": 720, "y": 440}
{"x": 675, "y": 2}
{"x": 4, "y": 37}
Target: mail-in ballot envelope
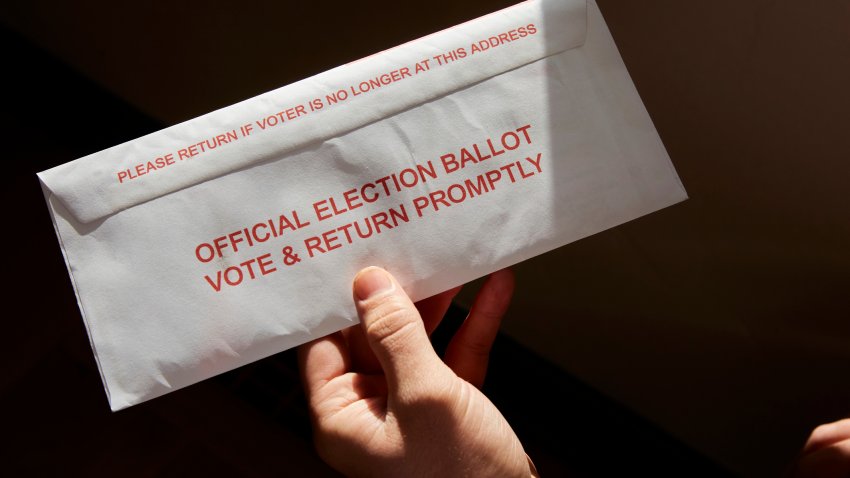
{"x": 235, "y": 235}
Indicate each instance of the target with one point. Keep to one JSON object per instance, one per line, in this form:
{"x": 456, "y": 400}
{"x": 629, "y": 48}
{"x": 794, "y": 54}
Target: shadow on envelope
{"x": 754, "y": 101}
{"x": 237, "y": 423}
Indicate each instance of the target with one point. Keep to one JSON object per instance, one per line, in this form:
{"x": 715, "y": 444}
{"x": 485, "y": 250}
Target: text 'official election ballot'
{"x": 230, "y": 237}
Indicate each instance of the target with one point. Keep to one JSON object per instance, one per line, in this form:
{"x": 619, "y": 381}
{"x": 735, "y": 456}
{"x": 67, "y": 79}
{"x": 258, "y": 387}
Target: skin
{"x": 827, "y": 452}
{"x": 384, "y": 404}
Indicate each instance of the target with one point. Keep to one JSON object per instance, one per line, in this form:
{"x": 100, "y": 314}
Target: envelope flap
{"x": 329, "y": 104}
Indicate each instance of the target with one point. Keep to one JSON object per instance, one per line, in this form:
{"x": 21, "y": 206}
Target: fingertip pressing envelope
{"x": 230, "y": 237}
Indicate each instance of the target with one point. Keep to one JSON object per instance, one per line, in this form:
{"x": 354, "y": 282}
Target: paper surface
{"x": 235, "y": 235}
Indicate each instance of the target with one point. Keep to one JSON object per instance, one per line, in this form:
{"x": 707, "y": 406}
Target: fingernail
{"x": 370, "y": 282}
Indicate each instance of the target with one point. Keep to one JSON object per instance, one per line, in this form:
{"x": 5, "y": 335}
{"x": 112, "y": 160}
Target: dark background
{"x": 707, "y": 337}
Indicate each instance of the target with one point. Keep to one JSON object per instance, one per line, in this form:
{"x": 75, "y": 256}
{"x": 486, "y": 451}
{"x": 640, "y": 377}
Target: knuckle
{"x": 389, "y": 319}
{"x": 493, "y": 311}
{"x": 478, "y": 348}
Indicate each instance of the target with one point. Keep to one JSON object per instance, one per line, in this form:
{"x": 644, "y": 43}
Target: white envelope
{"x": 235, "y": 235}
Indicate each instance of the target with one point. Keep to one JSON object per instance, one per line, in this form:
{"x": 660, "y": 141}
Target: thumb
{"x": 395, "y": 332}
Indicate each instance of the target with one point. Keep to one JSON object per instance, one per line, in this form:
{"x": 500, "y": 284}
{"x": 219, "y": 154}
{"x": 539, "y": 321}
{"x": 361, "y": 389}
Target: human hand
{"x": 384, "y": 404}
{"x": 827, "y": 452}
